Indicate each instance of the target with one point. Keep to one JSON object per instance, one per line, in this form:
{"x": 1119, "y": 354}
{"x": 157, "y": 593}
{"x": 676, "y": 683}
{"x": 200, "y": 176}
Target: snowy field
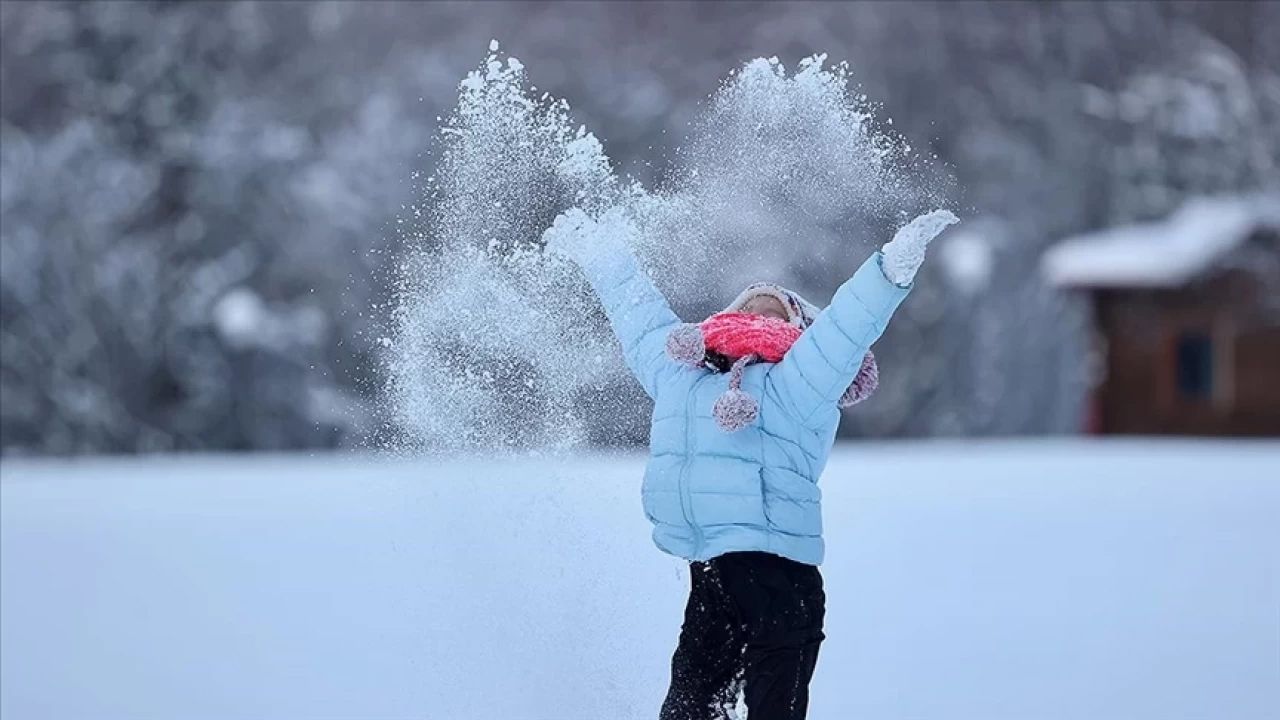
{"x": 987, "y": 581}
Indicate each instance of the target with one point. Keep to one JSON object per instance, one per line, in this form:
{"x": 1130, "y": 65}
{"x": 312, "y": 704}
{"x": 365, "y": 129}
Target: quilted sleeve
{"x": 819, "y": 367}
{"x": 637, "y": 311}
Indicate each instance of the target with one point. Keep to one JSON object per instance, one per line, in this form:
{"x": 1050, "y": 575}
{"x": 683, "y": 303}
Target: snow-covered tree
{"x": 204, "y": 205}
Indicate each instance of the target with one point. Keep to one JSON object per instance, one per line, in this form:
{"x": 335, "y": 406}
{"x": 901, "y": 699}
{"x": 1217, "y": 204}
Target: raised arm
{"x": 820, "y": 365}
{"x": 637, "y": 311}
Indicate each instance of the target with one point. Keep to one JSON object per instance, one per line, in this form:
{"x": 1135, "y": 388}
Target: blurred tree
{"x": 199, "y": 202}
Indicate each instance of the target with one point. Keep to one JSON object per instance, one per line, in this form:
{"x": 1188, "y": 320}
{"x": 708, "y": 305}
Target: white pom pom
{"x": 685, "y": 345}
{"x": 735, "y": 410}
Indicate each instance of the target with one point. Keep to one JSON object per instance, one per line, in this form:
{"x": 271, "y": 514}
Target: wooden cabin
{"x": 1186, "y": 319}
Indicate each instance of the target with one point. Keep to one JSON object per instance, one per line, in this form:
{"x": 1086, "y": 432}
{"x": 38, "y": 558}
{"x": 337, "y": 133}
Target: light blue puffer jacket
{"x": 708, "y": 491}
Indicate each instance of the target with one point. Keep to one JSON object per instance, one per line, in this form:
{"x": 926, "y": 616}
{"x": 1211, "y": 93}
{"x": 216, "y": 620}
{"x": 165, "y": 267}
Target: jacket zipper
{"x": 686, "y": 498}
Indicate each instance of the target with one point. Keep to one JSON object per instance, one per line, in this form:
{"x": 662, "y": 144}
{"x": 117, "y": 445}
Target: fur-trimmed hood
{"x": 800, "y": 312}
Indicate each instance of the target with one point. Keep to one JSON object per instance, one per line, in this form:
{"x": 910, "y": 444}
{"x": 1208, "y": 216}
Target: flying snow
{"x": 498, "y": 346}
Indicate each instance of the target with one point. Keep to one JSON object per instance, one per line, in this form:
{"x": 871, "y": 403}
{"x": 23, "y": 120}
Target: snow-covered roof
{"x": 1164, "y": 253}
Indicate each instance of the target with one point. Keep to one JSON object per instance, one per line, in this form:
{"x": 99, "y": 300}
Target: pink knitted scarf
{"x": 737, "y": 335}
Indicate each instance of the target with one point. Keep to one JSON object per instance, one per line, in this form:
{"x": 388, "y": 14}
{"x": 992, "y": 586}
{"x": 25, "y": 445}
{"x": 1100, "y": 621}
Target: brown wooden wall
{"x": 1138, "y": 332}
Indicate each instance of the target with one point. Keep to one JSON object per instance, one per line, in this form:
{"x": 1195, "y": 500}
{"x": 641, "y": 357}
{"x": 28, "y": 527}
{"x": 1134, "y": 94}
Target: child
{"x": 745, "y": 412}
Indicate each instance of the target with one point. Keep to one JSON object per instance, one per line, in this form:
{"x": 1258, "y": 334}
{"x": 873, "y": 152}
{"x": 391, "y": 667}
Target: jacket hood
{"x": 800, "y": 312}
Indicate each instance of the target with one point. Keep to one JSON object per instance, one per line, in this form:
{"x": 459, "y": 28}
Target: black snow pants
{"x": 753, "y": 622}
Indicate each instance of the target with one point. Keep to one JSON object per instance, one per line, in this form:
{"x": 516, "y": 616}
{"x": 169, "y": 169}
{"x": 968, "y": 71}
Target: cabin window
{"x": 1194, "y": 373}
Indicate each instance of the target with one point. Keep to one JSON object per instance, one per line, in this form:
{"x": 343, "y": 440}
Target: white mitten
{"x": 577, "y": 236}
{"x": 902, "y": 256}
{"x": 569, "y": 235}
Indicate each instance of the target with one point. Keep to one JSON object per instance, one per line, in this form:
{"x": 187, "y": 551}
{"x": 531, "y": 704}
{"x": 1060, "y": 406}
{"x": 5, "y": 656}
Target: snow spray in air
{"x": 496, "y": 346}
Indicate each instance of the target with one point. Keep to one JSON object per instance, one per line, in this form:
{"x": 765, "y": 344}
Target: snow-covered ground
{"x": 985, "y": 581}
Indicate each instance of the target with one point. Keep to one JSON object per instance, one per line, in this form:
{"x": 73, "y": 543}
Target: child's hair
{"x": 716, "y": 361}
